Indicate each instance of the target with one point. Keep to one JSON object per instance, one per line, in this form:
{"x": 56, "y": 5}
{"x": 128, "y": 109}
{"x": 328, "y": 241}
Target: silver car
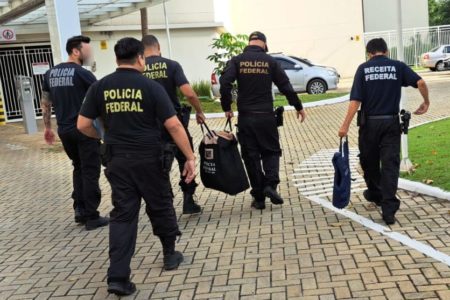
{"x": 304, "y": 76}
{"x": 435, "y": 58}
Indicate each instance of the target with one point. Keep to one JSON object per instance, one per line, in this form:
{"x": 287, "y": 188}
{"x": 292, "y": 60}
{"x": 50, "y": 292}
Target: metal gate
{"x": 19, "y": 60}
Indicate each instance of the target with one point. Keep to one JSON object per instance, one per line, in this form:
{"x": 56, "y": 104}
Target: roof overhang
{"x": 33, "y": 12}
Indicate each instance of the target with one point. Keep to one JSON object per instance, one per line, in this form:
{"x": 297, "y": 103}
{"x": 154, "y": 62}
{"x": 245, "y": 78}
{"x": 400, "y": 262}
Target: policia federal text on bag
{"x": 221, "y": 167}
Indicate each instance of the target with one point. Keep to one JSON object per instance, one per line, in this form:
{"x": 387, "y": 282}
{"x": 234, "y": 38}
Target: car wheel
{"x": 440, "y": 66}
{"x": 433, "y": 69}
{"x": 316, "y": 86}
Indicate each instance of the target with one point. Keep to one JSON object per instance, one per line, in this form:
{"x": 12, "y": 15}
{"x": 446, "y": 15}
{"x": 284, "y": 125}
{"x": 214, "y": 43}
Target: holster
{"x": 405, "y": 116}
{"x": 184, "y": 115}
{"x": 361, "y": 118}
{"x": 105, "y": 153}
{"x": 168, "y": 156}
{"x": 279, "y": 111}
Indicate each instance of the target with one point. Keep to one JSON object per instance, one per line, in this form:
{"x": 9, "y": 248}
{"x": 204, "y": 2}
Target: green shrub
{"x": 202, "y": 88}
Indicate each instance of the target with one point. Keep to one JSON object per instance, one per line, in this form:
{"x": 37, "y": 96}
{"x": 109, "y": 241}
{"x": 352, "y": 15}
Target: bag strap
{"x": 341, "y": 145}
{"x": 203, "y": 126}
{"x": 228, "y": 124}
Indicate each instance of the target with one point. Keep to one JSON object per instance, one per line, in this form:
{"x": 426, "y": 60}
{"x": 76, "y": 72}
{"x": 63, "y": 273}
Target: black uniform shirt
{"x": 378, "y": 82}
{"x": 67, "y": 84}
{"x": 255, "y": 71}
{"x": 168, "y": 73}
{"x": 131, "y": 106}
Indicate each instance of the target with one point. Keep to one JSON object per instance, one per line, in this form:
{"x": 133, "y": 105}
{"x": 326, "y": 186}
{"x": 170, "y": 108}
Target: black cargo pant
{"x": 379, "y": 146}
{"x": 85, "y": 155}
{"x": 174, "y": 152}
{"x": 260, "y": 150}
{"x": 134, "y": 176}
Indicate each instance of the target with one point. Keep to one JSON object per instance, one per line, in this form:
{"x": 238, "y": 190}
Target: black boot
{"x": 79, "y": 218}
{"x": 272, "y": 194}
{"x": 371, "y": 197}
{"x": 189, "y": 205}
{"x": 172, "y": 258}
{"x": 121, "y": 288}
{"x": 97, "y": 223}
{"x": 256, "y": 204}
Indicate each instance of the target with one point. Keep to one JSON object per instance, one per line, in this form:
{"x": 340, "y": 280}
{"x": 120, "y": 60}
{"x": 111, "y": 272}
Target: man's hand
{"x": 200, "y": 117}
{"x": 229, "y": 114}
{"x": 49, "y": 136}
{"x": 189, "y": 171}
{"x": 301, "y": 115}
{"x": 423, "y": 108}
{"x": 343, "y": 131}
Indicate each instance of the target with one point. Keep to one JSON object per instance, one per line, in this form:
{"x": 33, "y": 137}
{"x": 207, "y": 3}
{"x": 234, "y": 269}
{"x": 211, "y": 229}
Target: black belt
{"x": 382, "y": 117}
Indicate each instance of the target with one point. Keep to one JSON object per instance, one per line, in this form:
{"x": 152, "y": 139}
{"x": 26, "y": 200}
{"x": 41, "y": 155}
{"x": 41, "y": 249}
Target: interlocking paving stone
{"x": 297, "y": 251}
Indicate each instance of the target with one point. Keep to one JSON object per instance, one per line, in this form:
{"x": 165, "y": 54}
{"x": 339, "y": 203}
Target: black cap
{"x": 257, "y": 35}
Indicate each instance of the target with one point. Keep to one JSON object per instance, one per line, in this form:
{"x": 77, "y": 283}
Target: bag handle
{"x": 341, "y": 145}
{"x": 228, "y": 124}
{"x": 203, "y": 126}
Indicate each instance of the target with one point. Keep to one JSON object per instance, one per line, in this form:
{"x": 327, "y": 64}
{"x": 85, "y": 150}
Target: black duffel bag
{"x": 221, "y": 167}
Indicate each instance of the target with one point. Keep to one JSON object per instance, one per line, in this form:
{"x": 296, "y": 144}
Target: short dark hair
{"x": 376, "y": 45}
{"x": 128, "y": 50}
{"x": 150, "y": 41}
{"x": 75, "y": 43}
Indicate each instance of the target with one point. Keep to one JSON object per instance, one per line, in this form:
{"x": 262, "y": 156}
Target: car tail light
{"x": 213, "y": 78}
{"x": 426, "y": 56}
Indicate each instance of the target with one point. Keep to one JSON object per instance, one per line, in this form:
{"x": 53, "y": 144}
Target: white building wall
{"x": 190, "y": 47}
{"x": 320, "y": 30}
{"x": 381, "y": 15}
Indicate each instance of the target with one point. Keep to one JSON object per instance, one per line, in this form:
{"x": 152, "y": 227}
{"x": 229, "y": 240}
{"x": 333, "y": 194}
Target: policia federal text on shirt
{"x": 132, "y": 107}
{"x": 170, "y": 75}
{"x": 255, "y": 70}
{"x": 64, "y": 88}
{"x": 377, "y": 89}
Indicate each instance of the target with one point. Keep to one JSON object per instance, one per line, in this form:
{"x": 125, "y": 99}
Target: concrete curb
{"x": 417, "y": 187}
{"x": 288, "y": 108}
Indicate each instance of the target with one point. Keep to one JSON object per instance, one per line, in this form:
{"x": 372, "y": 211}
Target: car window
{"x": 303, "y": 61}
{"x": 285, "y": 65}
{"x": 435, "y": 49}
{"x": 447, "y": 49}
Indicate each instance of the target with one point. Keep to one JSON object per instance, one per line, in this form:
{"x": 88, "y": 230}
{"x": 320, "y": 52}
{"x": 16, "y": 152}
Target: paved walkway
{"x": 300, "y": 250}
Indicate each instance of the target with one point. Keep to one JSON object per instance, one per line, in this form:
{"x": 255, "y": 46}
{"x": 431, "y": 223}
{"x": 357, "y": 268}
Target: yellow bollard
{"x": 2, "y": 113}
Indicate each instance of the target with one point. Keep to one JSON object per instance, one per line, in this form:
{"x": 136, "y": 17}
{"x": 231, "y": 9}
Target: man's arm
{"x": 86, "y": 127}
{"x": 46, "y": 106}
{"x": 178, "y": 133}
{"x": 423, "y": 89}
{"x": 227, "y": 78}
{"x": 352, "y": 110}
{"x": 192, "y": 98}
{"x": 281, "y": 80}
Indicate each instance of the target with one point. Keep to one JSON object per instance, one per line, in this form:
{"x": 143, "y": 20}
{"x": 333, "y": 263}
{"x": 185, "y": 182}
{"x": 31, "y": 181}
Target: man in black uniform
{"x": 170, "y": 75}
{"x": 377, "y": 89}
{"x": 132, "y": 108}
{"x": 255, "y": 71}
{"x": 64, "y": 88}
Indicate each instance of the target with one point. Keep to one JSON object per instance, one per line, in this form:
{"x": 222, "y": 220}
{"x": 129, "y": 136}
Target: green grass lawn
{"x": 429, "y": 150}
{"x": 211, "y": 106}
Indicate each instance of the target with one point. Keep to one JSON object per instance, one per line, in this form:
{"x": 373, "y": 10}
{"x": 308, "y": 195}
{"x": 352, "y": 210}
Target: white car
{"x": 304, "y": 76}
{"x": 435, "y": 58}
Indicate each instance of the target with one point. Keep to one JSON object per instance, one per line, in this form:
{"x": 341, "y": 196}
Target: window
{"x": 286, "y": 65}
{"x": 447, "y": 49}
